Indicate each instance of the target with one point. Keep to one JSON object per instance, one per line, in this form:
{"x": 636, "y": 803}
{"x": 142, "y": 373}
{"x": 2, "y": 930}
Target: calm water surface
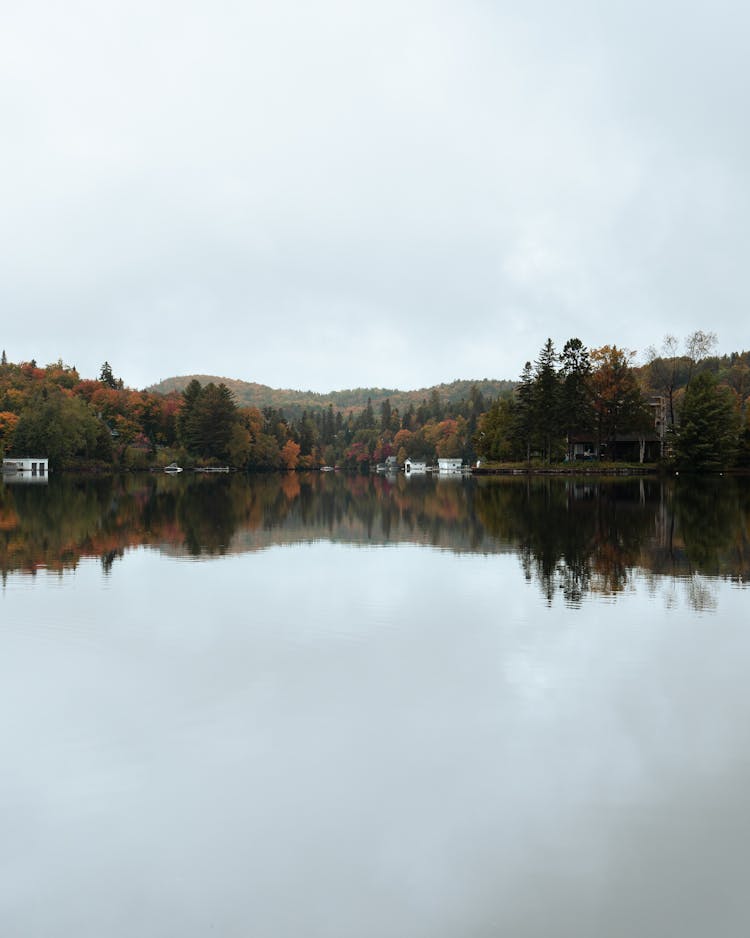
{"x": 342, "y": 706}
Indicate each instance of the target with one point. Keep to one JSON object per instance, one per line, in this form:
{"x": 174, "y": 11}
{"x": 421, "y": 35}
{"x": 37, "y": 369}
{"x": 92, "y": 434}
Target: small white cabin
{"x": 34, "y": 465}
{"x": 412, "y": 465}
{"x": 450, "y": 465}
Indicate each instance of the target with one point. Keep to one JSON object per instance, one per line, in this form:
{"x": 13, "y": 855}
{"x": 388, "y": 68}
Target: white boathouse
{"x": 412, "y": 465}
{"x": 33, "y": 465}
{"x": 450, "y": 465}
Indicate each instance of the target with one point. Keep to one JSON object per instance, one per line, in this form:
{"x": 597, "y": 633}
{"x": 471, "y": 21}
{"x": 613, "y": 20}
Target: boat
{"x": 173, "y": 468}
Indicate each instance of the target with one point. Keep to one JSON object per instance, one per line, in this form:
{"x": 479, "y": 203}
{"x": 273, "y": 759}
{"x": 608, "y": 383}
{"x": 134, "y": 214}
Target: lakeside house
{"x": 450, "y": 464}
{"x": 645, "y": 445}
{"x": 34, "y": 465}
{"x": 412, "y": 466}
{"x": 26, "y": 469}
{"x": 390, "y": 465}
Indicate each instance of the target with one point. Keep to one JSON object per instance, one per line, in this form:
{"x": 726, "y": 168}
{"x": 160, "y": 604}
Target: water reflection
{"x": 574, "y": 537}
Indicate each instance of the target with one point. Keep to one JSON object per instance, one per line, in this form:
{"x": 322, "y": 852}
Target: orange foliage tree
{"x": 289, "y": 454}
{"x": 8, "y": 423}
{"x": 618, "y": 403}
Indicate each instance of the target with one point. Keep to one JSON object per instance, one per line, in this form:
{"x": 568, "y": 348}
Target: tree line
{"x": 688, "y": 409}
{"x": 85, "y": 423}
{"x": 598, "y": 397}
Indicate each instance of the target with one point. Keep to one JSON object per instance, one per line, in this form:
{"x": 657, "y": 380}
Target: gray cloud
{"x": 321, "y": 195}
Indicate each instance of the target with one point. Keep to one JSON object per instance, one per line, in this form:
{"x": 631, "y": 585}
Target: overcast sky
{"x": 331, "y": 194}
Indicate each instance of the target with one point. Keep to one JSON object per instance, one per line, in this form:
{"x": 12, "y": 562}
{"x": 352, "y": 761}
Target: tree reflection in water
{"x": 574, "y": 536}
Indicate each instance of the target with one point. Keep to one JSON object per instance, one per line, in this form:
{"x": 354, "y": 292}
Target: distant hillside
{"x": 251, "y": 394}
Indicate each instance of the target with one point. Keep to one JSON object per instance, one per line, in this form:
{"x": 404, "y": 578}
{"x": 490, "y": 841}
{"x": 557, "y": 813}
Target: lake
{"x": 336, "y": 705}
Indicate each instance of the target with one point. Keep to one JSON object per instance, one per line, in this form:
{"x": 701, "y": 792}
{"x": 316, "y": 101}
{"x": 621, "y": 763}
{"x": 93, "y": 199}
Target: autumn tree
{"x": 617, "y": 400}
{"x": 289, "y": 455}
{"x": 8, "y": 424}
{"x": 264, "y": 452}
{"x": 494, "y": 437}
{"x": 61, "y": 375}
{"x": 63, "y": 428}
{"x": 446, "y": 438}
{"x": 402, "y": 444}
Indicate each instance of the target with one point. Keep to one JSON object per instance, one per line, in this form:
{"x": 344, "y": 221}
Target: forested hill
{"x": 248, "y": 393}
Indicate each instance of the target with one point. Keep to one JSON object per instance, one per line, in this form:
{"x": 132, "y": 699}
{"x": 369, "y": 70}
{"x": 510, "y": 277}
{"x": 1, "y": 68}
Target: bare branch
{"x": 699, "y": 345}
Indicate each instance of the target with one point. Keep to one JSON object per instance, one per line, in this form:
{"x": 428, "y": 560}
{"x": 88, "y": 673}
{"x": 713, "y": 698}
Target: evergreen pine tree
{"x": 107, "y": 377}
{"x": 546, "y": 399}
{"x": 709, "y": 432}
{"x": 523, "y": 424}
{"x": 576, "y": 410}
